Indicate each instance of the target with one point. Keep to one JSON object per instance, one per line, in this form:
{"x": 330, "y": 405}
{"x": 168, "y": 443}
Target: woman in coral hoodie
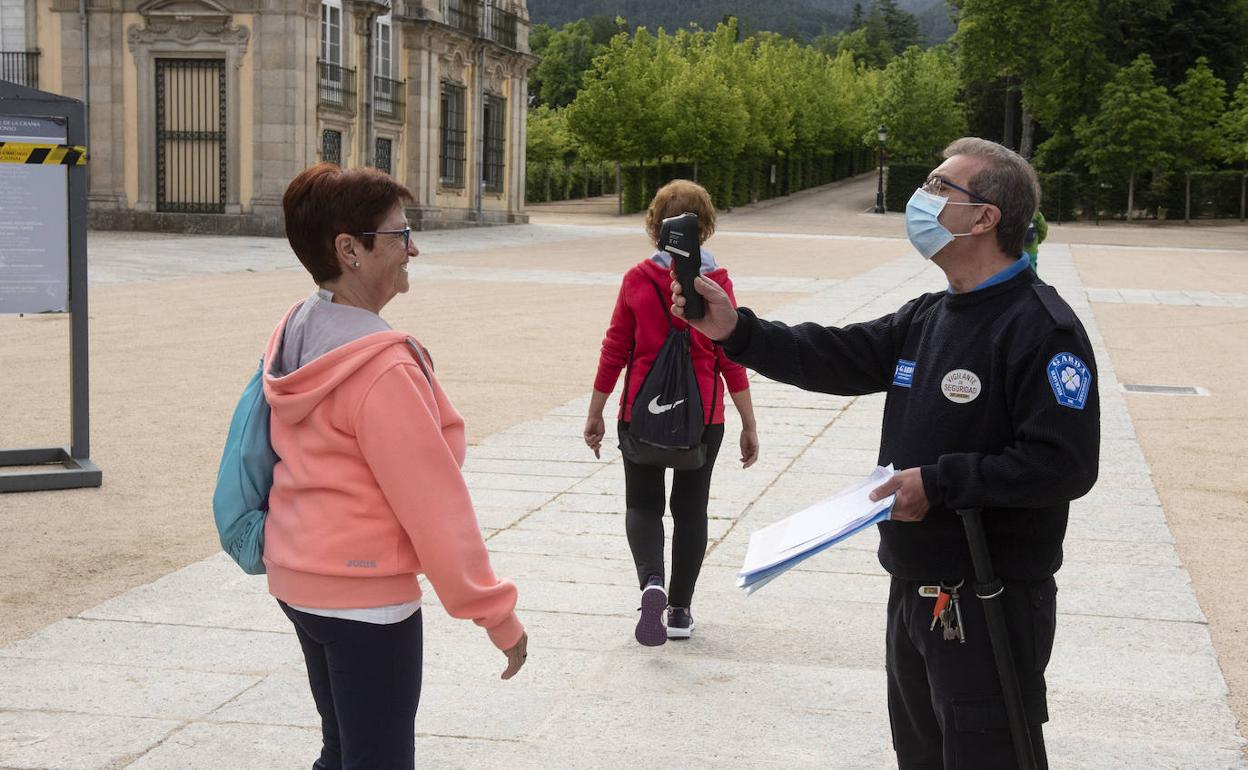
{"x": 368, "y": 493}
{"x": 638, "y": 328}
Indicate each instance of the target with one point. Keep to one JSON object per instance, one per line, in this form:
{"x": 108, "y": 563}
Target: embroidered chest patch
{"x": 961, "y": 386}
{"x": 1070, "y": 379}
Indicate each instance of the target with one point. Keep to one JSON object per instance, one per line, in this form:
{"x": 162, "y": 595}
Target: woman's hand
{"x": 516, "y": 656}
{"x": 749, "y": 447}
{"x": 595, "y": 429}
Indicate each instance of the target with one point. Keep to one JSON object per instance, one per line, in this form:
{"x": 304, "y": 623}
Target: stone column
{"x": 107, "y": 174}
{"x": 285, "y": 137}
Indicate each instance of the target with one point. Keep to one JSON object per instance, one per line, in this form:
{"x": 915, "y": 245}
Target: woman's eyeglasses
{"x": 406, "y": 232}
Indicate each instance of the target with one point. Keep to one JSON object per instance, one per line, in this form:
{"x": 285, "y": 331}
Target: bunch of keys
{"x": 946, "y": 610}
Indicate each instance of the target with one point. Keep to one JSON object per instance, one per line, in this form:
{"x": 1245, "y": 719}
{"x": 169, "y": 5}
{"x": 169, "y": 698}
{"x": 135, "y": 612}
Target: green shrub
{"x": 631, "y": 189}
{"x": 900, "y": 182}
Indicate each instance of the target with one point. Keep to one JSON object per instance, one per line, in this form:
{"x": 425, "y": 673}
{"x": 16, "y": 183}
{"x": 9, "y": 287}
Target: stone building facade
{"x": 201, "y": 111}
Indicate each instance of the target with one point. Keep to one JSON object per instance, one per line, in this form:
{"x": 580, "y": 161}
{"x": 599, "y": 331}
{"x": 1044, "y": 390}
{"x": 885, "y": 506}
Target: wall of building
{"x": 274, "y": 115}
{"x": 13, "y": 25}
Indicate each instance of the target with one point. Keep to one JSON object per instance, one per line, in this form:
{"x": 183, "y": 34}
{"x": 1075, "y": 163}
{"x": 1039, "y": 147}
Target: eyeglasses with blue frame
{"x": 406, "y": 232}
{"x": 935, "y": 183}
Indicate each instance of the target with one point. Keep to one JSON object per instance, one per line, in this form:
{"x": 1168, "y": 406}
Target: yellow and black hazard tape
{"x": 48, "y": 154}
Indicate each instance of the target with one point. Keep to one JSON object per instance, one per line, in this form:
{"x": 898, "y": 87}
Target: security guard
{"x": 992, "y": 403}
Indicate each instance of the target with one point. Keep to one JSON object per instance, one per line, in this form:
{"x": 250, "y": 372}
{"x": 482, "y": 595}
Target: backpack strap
{"x": 627, "y": 373}
{"x": 662, "y": 302}
{"x": 715, "y": 386}
{"x": 422, "y": 358}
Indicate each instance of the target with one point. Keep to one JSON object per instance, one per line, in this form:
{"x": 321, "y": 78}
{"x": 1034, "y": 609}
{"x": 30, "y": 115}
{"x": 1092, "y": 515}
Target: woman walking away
{"x": 368, "y": 492}
{"x": 639, "y": 326}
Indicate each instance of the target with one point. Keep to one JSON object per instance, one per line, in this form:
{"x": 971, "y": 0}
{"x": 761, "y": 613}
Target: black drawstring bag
{"x": 667, "y": 423}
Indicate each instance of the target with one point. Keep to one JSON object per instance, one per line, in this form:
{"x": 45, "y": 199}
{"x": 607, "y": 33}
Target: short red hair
{"x": 326, "y": 200}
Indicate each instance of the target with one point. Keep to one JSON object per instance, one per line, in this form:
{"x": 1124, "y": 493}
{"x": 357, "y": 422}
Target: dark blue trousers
{"x": 365, "y": 680}
{"x": 944, "y": 697}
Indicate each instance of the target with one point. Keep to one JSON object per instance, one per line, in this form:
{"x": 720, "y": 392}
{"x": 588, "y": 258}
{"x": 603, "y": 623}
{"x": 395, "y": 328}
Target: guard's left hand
{"x": 911, "y": 502}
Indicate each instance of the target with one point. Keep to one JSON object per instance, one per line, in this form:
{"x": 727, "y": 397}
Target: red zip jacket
{"x": 639, "y": 320}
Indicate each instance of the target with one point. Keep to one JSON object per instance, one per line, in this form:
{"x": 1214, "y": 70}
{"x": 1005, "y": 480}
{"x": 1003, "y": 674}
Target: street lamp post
{"x": 882, "y": 134}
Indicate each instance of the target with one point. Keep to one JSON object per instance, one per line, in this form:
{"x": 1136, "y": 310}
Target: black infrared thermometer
{"x": 679, "y": 238}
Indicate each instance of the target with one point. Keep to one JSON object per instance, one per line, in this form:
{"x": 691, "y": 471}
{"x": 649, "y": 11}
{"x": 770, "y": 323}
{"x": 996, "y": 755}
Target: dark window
{"x": 454, "y": 136}
{"x": 331, "y": 146}
{"x": 381, "y": 159}
{"x": 495, "y": 142}
{"x": 502, "y": 27}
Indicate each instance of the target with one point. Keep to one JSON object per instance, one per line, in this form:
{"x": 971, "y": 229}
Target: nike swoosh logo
{"x": 654, "y": 407}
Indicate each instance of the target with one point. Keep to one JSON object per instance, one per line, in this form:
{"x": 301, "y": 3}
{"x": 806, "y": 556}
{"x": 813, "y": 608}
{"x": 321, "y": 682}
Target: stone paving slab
{"x": 792, "y": 676}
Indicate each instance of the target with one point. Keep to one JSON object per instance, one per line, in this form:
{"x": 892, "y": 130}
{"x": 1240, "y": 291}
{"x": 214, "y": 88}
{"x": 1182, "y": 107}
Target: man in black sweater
{"x": 992, "y": 404}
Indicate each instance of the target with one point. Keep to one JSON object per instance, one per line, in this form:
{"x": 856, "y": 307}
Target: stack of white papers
{"x": 779, "y": 547}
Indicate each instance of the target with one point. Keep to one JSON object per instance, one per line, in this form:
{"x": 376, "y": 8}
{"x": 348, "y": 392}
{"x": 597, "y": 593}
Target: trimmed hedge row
{"x": 555, "y": 181}
{"x": 734, "y": 182}
{"x": 901, "y": 180}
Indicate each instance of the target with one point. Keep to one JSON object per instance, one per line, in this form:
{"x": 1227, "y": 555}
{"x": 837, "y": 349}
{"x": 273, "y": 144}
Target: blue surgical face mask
{"x": 923, "y": 227}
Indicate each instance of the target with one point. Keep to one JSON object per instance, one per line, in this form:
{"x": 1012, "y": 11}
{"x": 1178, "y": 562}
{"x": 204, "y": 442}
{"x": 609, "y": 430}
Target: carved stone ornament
{"x": 495, "y": 79}
{"x": 187, "y": 22}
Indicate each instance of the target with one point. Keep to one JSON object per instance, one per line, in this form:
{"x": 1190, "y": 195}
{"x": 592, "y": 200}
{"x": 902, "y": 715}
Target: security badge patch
{"x": 961, "y": 386}
{"x": 1070, "y": 379}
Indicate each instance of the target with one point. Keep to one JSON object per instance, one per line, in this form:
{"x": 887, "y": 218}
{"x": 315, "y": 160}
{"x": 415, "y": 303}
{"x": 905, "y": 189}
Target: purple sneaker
{"x": 650, "y": 631}
{"x": 679, "y": 623}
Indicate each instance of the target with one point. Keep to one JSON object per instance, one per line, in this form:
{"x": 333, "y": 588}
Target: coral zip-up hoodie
{"x": 369, "y": 492}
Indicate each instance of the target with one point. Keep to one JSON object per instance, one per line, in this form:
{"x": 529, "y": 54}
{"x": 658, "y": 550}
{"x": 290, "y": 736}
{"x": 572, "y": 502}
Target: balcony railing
{"x": 21, "y": 67}
{"x": 502, "y": 26}
{"x": 463, "y": 14}
{"x": 388, "y": 98}
{"x": 410, "y": 9}
{"x": 337, "y": 86}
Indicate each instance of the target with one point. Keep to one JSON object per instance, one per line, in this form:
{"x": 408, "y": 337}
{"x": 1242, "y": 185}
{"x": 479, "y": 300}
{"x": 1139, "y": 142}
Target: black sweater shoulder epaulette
{"x": 1057, "y": 308}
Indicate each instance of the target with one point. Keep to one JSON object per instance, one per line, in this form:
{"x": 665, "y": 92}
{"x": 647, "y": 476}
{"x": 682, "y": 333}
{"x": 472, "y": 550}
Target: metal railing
{"x": 410, "y": 9}
{"x": 337, "y": 86}
{"x": 21, "y": 67}
{"x": 388, "y": 97}
{"x": 463, "y": 14}
{"x": 502, "y": 26}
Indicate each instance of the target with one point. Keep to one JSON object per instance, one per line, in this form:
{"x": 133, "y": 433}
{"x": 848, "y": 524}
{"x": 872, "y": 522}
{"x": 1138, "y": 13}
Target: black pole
{"x": 990, "y": 589}
{"x": 879, "y": 190}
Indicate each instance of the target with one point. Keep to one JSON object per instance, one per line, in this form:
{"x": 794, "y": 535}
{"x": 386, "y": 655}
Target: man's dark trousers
{"x": 944, "y": 697}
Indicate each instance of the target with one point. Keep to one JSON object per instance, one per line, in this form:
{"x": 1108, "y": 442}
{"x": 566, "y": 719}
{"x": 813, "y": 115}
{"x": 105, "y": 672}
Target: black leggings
{"x": 365, "y": 679}
{"x": 644, "y": 490}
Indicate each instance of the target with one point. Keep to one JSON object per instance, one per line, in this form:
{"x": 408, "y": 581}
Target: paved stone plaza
{"x": 199, "y": 669}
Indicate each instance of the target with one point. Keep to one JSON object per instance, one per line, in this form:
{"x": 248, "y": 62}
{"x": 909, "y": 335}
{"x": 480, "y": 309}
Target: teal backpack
{"x": 241, "y": 500}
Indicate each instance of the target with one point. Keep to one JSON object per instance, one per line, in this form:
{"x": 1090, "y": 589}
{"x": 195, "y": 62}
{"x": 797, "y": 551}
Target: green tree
{"x": 1234, "y": 124}
{"x": 566, "y": 55}
{"x": 1201, "y": 101}
{"x": 547, "y": 136}
{"x": 902, "y": 26}
{"x": 918, "y": 102}
{"x": 1134, "y": 129}
{"x": 620, "y": 114}
{"x": 697, "y": 76}
{"x": 1176, "y": 32}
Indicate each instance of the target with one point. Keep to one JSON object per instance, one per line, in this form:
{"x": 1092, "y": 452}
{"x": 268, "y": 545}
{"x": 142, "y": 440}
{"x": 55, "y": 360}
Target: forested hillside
{"x": 803, "y": 19}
